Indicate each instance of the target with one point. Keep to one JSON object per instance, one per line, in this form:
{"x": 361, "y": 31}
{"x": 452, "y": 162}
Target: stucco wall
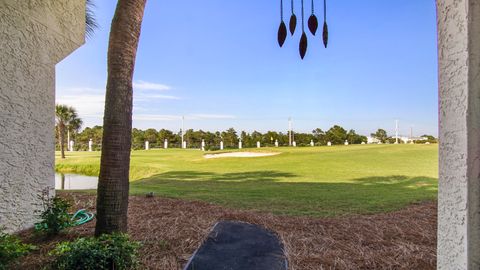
{"x": 459, "y": 115}
{"x": 34, "y": 36}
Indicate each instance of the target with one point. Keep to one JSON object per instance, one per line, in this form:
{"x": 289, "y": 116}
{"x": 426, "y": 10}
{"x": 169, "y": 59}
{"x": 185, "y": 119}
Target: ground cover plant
{"x": 312, "y": 181}
{"x": 109, "y": 251}
{"x": 11, "y": 249}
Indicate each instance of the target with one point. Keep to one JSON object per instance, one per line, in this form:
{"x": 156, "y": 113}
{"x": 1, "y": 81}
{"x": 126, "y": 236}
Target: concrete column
{"x": 165, "y": 144}
{"x": 221, "y": 145}
{"x": 459, "y": 117}
{"x": 69, "y": 146}
{"x": 90, "y": 144}
{"x": 147, "y": 145}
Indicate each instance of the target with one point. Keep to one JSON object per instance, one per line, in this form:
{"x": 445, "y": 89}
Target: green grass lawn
{"x": 320, "y": 181}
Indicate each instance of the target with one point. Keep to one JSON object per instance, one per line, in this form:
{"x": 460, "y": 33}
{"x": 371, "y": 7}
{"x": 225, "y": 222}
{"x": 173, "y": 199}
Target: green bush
{"x": 115, "y": 251}
{"x": 11, "y": 248}
{"x": 54, "y": 217}
{"x": 212, "y": 148}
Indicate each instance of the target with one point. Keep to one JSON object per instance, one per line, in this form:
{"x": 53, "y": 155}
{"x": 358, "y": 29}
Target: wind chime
{"x": 312, "y": 26}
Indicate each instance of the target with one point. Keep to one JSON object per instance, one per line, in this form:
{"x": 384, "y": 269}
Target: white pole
{"x": 90, "y": 144}
{"x": 68, "y": 139}
{"x": 411, "y": 134}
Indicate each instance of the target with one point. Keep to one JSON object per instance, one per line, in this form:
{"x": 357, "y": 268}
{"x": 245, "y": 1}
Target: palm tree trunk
{"x": 61, "y": 139}
{"x": 113, "y": 185}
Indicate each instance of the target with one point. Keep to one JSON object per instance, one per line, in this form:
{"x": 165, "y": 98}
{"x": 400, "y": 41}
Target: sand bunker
{"x": 240, "y": 154}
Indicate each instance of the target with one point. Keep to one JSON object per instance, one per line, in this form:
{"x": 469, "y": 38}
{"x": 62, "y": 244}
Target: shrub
{"x": 11, "y": 248}
{"x": 212, "y": 148}
{"x": 115, "y": 251}
{"x": 54, "y": 217}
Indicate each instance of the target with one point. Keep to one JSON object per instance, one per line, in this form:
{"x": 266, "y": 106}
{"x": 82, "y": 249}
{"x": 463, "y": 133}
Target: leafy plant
{"x": 11, "y": 248}
{"x": 54, "y": 217}
{"x": 109, "y": 251}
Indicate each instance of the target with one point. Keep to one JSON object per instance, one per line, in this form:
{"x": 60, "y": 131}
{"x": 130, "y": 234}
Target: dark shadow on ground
{"x": 270, "y": 191}
{"x": 259, "y": 176}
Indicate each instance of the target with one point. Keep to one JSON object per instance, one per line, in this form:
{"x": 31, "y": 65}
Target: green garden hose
{"x": 81, "y": 217}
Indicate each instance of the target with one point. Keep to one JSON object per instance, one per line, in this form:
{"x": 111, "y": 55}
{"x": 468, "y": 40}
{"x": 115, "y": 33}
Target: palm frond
{"x": 67, "y": 116}
{"x": 90, "y": 20}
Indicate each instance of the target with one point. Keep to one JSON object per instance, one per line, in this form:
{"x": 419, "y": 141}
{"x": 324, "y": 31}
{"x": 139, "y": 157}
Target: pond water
{"x": 70, "y": 181}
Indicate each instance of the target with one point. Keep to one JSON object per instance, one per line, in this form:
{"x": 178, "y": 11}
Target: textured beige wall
{"x": 34, "y": 36}
{"x": 459, "y": 115}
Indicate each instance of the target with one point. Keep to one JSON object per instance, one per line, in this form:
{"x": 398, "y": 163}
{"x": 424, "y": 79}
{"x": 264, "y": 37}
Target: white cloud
{"x": 86, "y": 104}
{"x": 164, "y": 117}
{"x": 143, "y": 85}
{"x": 147, "y": 97}
{"x": 156, "y": 117}
{"x": 210, "y": 116}
{"x": 163, "y": 97}
{"x": 90, "y": 103}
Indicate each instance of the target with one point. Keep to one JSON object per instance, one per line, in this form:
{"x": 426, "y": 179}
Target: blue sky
{"x": 219, "y": 64}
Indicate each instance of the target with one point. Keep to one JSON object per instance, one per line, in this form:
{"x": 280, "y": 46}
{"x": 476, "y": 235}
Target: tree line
{"x": 68, "y": 121}
{"x": 336, "y": 135}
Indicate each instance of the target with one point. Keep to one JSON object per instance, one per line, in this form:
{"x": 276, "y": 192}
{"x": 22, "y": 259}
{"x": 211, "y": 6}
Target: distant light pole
{"x": 396, "y": 131}
{"x": 183, "y": 132}
{"x": 289, "y": 131}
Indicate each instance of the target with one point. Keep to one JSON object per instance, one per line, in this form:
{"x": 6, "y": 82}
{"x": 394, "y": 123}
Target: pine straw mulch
{"x": 171, "y": 230}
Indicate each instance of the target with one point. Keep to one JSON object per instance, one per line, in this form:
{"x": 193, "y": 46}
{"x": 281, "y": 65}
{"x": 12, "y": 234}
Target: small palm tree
{"x": 65, "y": 117}
{"x": 75, "y": 125}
